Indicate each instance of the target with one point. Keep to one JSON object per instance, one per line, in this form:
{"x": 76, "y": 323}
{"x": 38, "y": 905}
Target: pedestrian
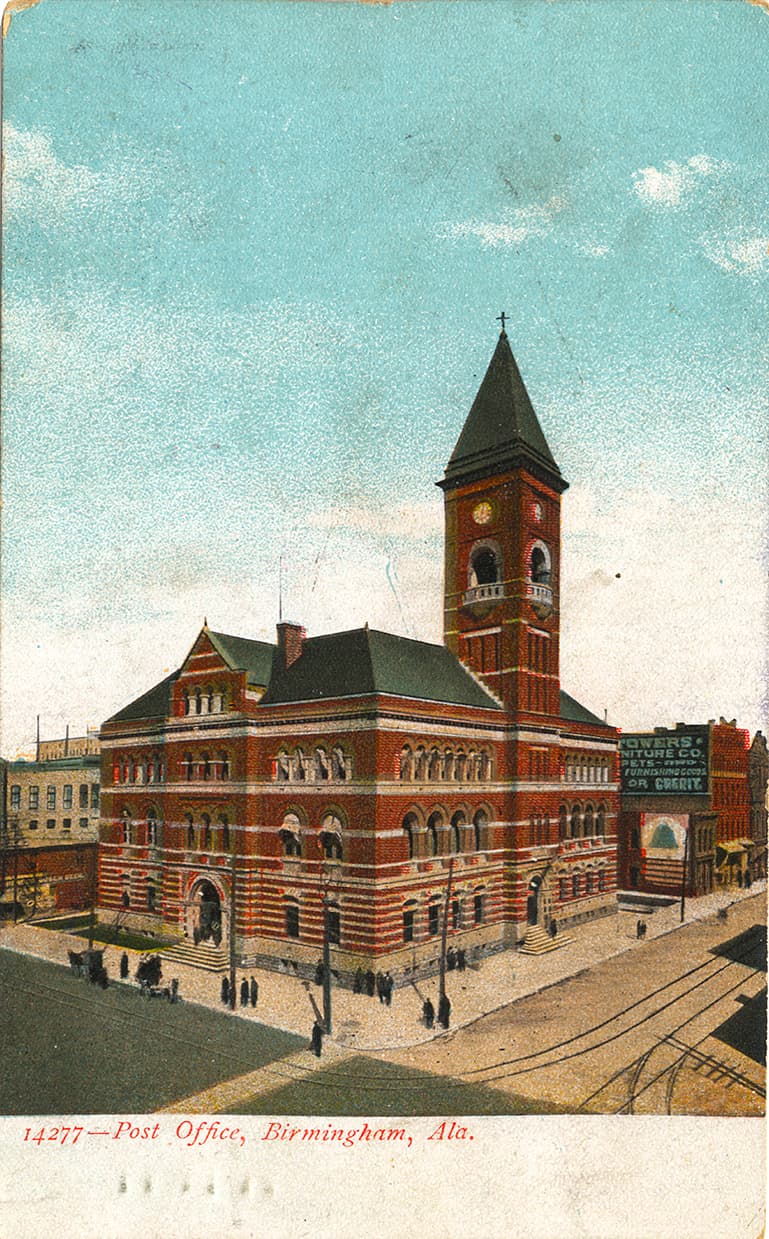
{"x": 639, "y": 929}
{"x": 319, "y": 972}
{"x": 451, "y": 959}
{"x": 174, "y": 989}
{"x": 196, "y": 935}
{"x": 244, "y": 993}
{"x": 461, "y": 959}
{"x": 101, "y": 977}
{"x": 225, "y": 991}
{"x": 643, "y": 929}
{"x": 370, "y": 983}
{"x": 428, "y": 1013}
{"x": 380, "y": 986}
{"x": 358, "y": 981}
{"x": 317, "y": 1039}
{"x": 253, "y": 991}
{"x": 553, "y": 927}
{"x": 748, "y": 879}
{"x": 123, "y": 966}
{"x": 388, "y": 988}
{"x": 444, "y": 1011}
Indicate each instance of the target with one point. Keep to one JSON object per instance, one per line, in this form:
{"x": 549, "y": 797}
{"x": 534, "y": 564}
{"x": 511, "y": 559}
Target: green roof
{"x": 242, "y": 654}
{"x": 156, "y": 703}
{"x": 502, "y": 429}
{"x": 575, "y": 713}
{"x": 364, "y": 661}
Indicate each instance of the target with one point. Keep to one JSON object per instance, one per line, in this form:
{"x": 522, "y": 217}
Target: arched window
{"x": 434, "y": 767}
{"x": 331, "y": 837}
{"x": 205, "y": 767}
{"x": 406, "y": 766}
{"x": 408, "y": 920}
{"x": 291, "y": 918}
{"x": 600, "y": 821}
{"x": 484, "y": 567}
{"x": 322, "y": 769}
{"x": 152, "y": 828}
{"x": 410, "y": 826}
{"x": 126, "y": 771}
{"x": 338, "y": 765}
{"x": 187, "y": 704}
{"x": 223, "y": 762}
{"x": 434, "y": 822}
{"x": 461, "y": 766}
{"x": 187, "y": 767}
{"x": 190, "y": 831}
{"x": 485, "y": 766}
{"x": 420, "y": 764}
{"x": 448, "y": 764}
{"x": 480, "y": 827}
{"x": 589, "y": 825}
{"x": 282, "y": 767}
{"x": 127, "y": 826}
{"x": 458, "y": 822}
{"x": 539, "y": 564}
{"x": 563, "y": 822}
{"x": 576, "y": 823}
{"x": 300, "y": 768}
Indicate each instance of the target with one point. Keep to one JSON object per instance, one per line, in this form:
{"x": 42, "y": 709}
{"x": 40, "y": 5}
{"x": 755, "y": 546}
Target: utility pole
{"x": 232, "y": 923}
{"x": 92, "y": 884}
{"x": 444, "y": 936}
{"x": 326, "y": 968}
{"x": 683, "y": 880}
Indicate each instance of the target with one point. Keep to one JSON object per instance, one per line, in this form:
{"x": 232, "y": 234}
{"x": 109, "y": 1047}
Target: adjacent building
{"x": 50, "y": 827}
{"x": 686, "y": 807}
{"x": 379, "y": 785}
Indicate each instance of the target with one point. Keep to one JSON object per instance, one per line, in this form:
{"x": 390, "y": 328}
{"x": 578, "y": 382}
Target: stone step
{"x": 539, "y": 942}
{"x": 205, "y": 956}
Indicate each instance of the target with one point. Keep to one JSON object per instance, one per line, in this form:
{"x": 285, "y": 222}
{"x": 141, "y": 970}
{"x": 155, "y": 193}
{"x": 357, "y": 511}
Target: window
{"x": 50, "y": 797}
{"x": 291, "y": 844}
{"x": 433, "y": 915}
{"x": 456, "y": 913}
{"x": 588, "y": 883}
{"x": 282, "y": 768}
{"x": 322, "y": 769}
{"x": 67, "y": 823}
{"x": 333, "y": 924}
{"x": 33, "y": 825}
{"x": 540, "y": 564}
{"x": 575, "y": 886}
{"x": 151, "y": 895}
{"x": 409, "y": 830}
{"x": 478, "y": 909}
{"x": 563, "y": 890}
{"x": 126, "y": 828}
{"x": 152, "y": 829}
{"x": 34, "y": 796}
{"x": 480, "y": 823}
{"x": 83, "y": 823}
{"x": 205, "y": 767}
{"x": 15, "y": 795}
{"x": 292, "y": 920}
{"x": 331, "y": 837}
{"x": 224, "y": 827}
{"x": 408, "y": 925}
{"x": 50, "y": 823}
{"x": 224, "y": 766}
{"x": 187, "y": 767}
{"x": 83, "y": 802}
{"x": 484, "y": 567}
{"x": 67, "y": 796}
{"x": 602, "y": 879}
{"x": 95, "y": 796}
{"x": 457, "y": 822}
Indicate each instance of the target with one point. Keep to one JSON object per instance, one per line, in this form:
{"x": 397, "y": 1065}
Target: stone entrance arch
{"x": 539, "y": 900}
{"x": 205, "y": 913}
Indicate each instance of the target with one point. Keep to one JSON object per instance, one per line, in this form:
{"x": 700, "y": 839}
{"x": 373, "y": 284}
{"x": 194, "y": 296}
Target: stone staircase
{"x": 205, "y": 955}
{"x": 538, "y": 941}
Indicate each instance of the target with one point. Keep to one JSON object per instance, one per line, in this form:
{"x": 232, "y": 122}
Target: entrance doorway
{"x": 206, "y": 913}
{"x": 532, "y": 901}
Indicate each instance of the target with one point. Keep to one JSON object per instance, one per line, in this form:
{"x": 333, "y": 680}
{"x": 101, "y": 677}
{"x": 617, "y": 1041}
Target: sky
{"x": 254, "y": 255}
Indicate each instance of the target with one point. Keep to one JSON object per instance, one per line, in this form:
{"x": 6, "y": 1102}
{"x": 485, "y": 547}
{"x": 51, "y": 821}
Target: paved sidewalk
{"x": 363, "y": 1024}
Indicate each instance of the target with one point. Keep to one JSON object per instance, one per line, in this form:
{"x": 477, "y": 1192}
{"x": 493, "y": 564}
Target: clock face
{"x": 482, "y": 513}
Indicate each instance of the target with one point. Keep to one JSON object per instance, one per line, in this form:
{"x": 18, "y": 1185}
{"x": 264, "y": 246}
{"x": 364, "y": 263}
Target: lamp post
{"x": 683, "y": 878}
{"x": 326, "y": 900}
{"x": 444, "y": 936}
{"x": 232, "y": 922}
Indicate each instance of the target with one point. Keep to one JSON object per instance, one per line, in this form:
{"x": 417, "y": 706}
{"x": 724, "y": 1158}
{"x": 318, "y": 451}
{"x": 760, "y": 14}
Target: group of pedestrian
{"x": 249, "y": 992}
{"x": 640, "y": 930}
{"x": 444, "y": 1012}
{"x": 456, "y": 959}
{"x": 384, "y": 987}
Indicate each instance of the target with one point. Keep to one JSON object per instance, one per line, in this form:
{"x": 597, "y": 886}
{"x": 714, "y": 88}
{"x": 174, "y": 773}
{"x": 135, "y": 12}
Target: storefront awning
{"x": 732, "y": 846}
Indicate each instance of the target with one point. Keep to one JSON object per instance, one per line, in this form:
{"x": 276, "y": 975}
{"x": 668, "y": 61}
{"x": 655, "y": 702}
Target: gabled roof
{"x": 156, "y": 703}
{"x": 364, "y": 661}
{"x": 502, "y": 429}
{"x": 242, "y": 654}
{"x": 575, "y": 713}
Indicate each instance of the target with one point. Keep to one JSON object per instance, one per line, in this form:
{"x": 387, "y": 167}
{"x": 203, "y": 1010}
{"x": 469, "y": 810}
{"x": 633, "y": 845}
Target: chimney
{"x": 290, "y": 641}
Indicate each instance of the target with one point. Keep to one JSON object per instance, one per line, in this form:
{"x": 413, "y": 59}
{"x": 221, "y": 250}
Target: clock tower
{"x": 502, "y": 499}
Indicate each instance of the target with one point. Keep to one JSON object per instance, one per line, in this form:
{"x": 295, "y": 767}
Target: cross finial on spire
{"x": 501, "y": 319}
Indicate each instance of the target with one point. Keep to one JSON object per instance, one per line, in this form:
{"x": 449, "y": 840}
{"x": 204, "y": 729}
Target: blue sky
{"x": 253, "y": 257}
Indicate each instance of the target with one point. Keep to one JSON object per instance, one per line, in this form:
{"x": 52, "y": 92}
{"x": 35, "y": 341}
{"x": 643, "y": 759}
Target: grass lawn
{"x": 368, "y": 1086}
{"x": 72, "y": 1048}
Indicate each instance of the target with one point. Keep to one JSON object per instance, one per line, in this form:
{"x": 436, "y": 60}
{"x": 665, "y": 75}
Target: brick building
{"x": 758, "y": 778}
{"x": 685, "y": 801}
{"x": 380, "y": 778}
{"x": 50, "y": 826}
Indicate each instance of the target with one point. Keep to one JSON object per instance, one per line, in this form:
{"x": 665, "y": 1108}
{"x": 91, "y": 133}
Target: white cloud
{"x": 743, "y": 254}
{"x": 670, "y": 185}
{"x": 524, "y": 222}
{"x": 416, "y": 520}
{"x": 593, "y": 250}
{"x": 40, "y": 185}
